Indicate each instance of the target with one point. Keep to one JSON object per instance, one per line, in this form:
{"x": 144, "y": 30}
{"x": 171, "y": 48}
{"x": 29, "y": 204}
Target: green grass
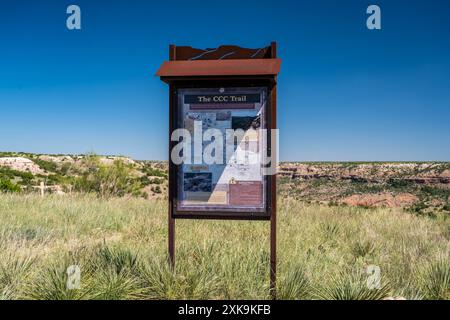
{"x": 120, "y": 247}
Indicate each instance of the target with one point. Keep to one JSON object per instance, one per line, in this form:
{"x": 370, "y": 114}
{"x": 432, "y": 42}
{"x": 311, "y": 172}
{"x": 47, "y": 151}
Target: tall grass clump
{"x": 436, "y": 280}
{"x": 295, "y": 284}
{"x": 51, "y": 284}
{"x": 351, "y": 286}
{"x": 116, "y": 274}
{"x": 14, "y": 272}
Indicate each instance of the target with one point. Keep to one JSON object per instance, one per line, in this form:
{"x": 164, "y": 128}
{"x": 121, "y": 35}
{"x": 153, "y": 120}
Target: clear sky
{"x": 345, "y": 92}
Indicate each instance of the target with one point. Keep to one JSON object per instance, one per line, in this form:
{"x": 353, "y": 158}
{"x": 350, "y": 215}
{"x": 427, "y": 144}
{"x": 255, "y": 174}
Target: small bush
{"x": 8, "y": 187}
{"x": 156, "y": 189}
{"x": 399, "y": 183}
{"x": 107, "y": 180}
{"x": 156, "y": 181}
{"x": 10, "y": 174}
{"x": 150, "y": 171}
{"x": 436, "y": 192}
{"x": 47, "y": 166}
{"x": 418, "y": 208}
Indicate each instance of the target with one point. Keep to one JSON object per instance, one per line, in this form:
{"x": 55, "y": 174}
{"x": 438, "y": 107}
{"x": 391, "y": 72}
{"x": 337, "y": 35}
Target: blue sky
{"x": 345, "y": 92}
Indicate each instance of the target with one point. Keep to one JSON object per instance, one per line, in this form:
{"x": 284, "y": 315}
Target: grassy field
{"x": 120, "y": 247}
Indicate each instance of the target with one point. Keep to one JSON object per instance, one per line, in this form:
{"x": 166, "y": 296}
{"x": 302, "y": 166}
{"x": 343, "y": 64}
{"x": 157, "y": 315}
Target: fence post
{"x": 42, "y": 188}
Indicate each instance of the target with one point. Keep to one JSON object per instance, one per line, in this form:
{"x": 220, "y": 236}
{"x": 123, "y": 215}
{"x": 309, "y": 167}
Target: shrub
{"x": 7, "y": 173}
{"x": 399, "y": 183}
{"x": 8, "y": 186}
{"x": 48, "y": 166}
{"x": 436, "y": 192}
{"x": 155, "y": 172}
{"x": 156, "y": 181}
{"x": 156, "y": 189}
{"x": 144, "y": 181}
{"x": 418, "y": 208}
{"x": 107, "y": 180}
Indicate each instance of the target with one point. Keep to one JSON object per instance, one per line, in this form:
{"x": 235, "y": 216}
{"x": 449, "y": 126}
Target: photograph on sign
{"x": 235, "y": 180}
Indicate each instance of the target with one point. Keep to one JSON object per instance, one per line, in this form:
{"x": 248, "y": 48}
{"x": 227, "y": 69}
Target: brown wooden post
{"x": 171, "y": 220}
{"x": 273, "y": 181}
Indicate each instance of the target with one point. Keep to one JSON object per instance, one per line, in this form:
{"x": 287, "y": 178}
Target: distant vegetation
{"x": 328, "y": 182}
{"x": 7, "y": 186}
{"x": 422, "y": 188}
{"x": 105, "y": 176}
{"x": 116, "y": 179}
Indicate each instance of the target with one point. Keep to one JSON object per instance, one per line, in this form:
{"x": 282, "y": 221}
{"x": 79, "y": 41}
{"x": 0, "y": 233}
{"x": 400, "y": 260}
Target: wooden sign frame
{"x": 223, "y": 67}
{"x": 245, "y": 214}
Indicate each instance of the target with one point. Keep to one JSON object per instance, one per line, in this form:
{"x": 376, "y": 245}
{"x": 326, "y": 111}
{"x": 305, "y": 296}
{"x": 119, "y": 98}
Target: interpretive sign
{"x": 223, "y": 136}
{"x": 226, "y": 171}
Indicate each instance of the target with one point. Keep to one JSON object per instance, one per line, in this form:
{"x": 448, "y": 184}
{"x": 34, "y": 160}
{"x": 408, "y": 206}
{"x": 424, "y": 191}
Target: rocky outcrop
{"x": 418, "y": 173}
{"x": 381, "y": 200}
{"x": 21, "y": 164}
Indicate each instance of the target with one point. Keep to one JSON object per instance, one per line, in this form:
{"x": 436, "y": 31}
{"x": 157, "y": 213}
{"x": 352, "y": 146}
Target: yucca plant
{"x": 117, "y": 258}
{"x": 330, "y": 230}
{"x": 13, "y": 274}
{"x": 436, "y": 280}
{"x": 159, "y": 280}
{"x": 295, "y": 285}
{"x": 200, "y": 283}
{"x": 52, "y": 284}
{"x": 113, "y": 285}
{"x": 351, "y": 286}
{"x": 363, "y": 248}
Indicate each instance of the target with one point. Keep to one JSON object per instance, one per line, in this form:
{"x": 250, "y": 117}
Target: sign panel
{"x": 223, "y": 158}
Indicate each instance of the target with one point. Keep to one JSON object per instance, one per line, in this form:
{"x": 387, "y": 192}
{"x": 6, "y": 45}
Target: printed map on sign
{"x": 236, "y": 182}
